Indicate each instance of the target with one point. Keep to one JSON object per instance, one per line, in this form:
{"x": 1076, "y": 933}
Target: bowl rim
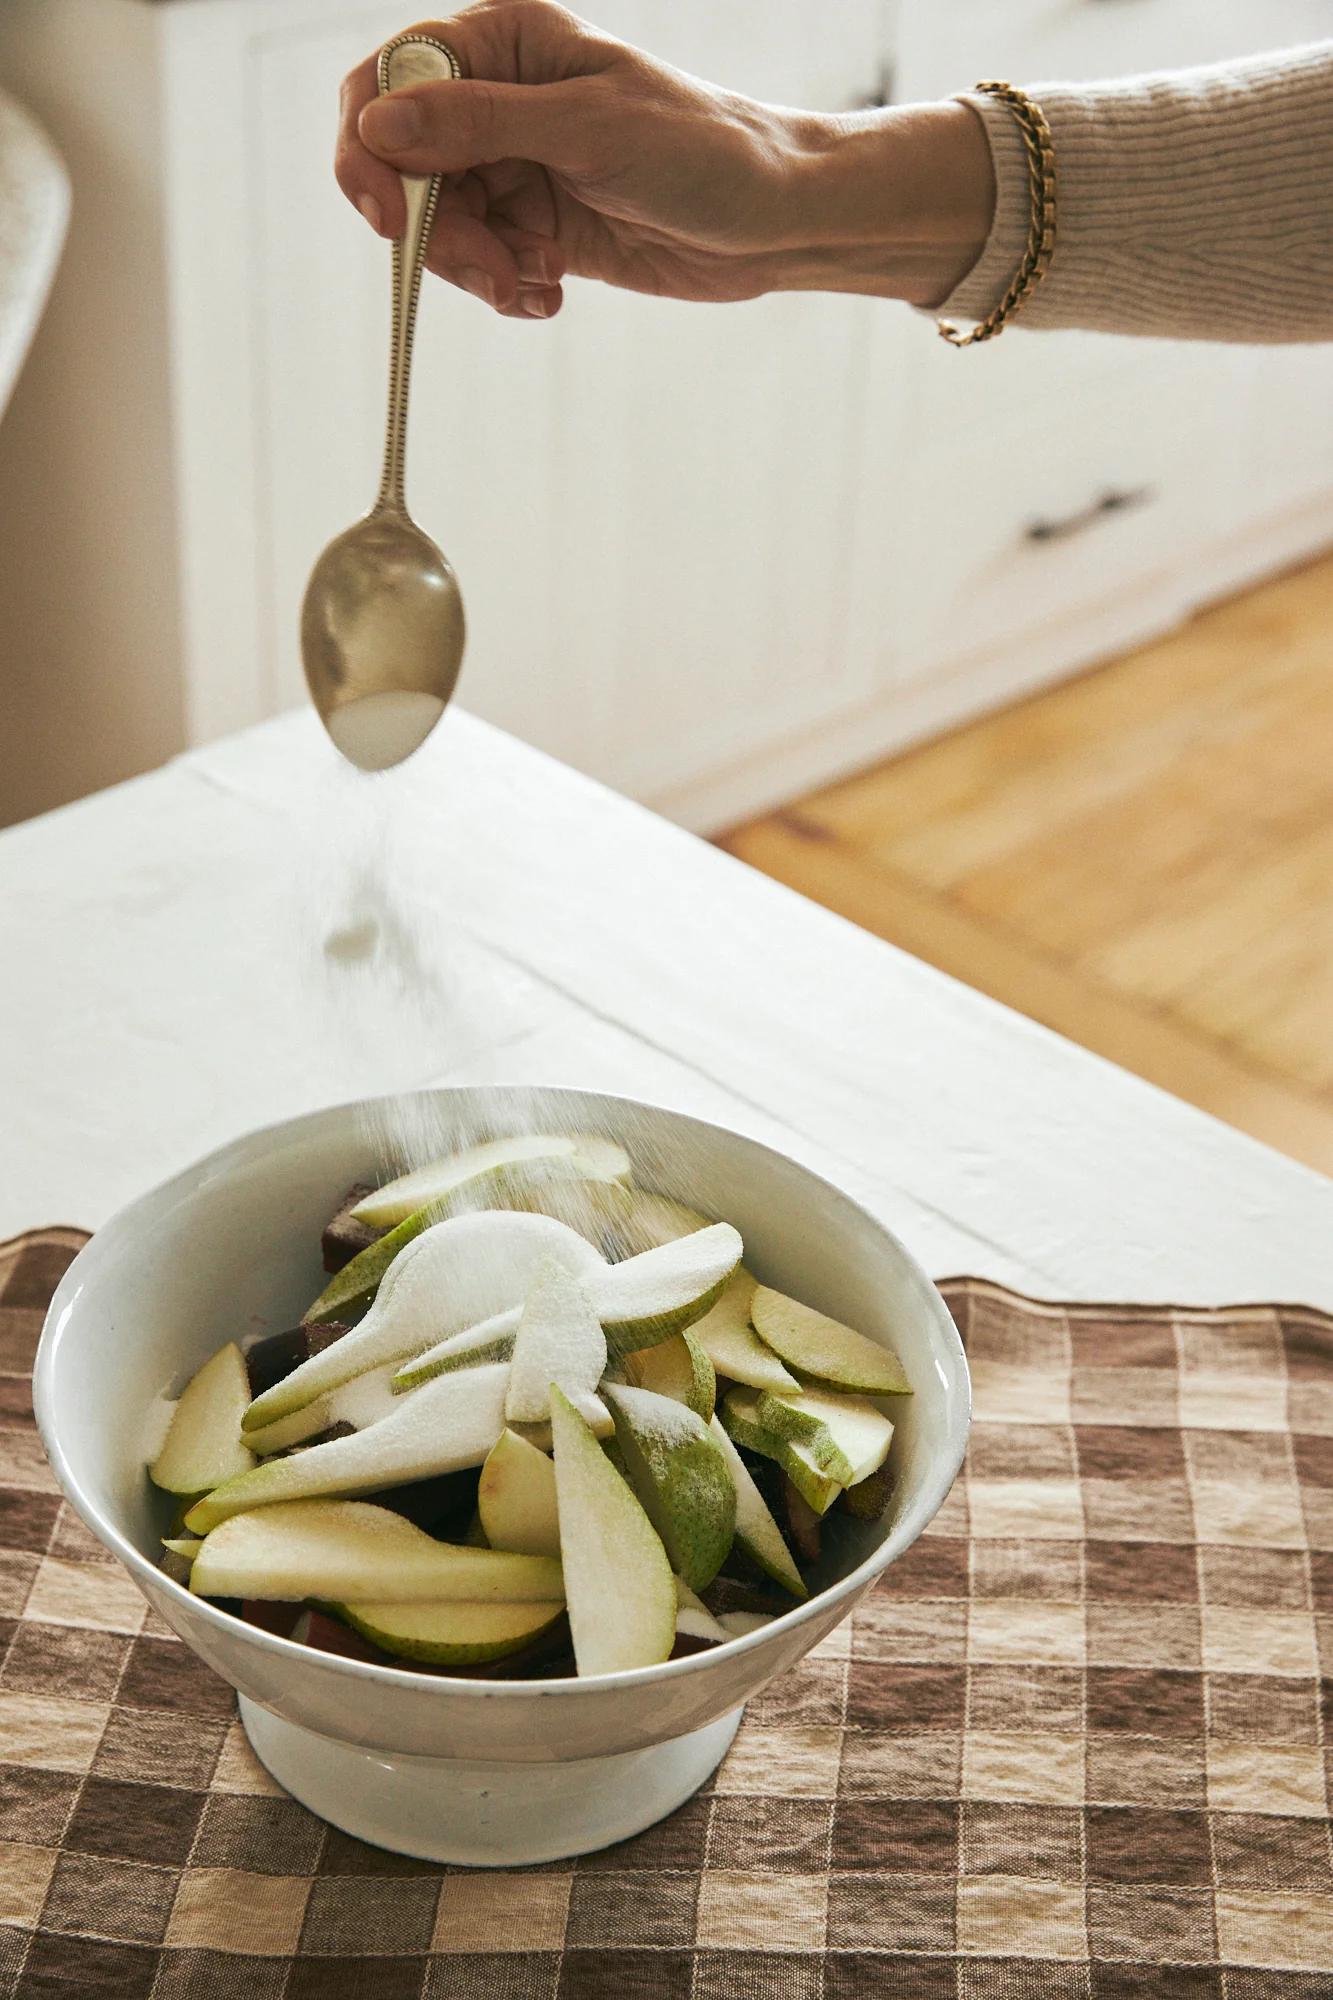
{"x": 370, "y": 1672}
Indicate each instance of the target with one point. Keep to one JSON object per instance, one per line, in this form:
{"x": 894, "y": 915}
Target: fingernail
{"x": 392, "y": 123}
{"x": 535, "y": 305}
{"x": 370, "y": 208}
{"x": 476, "y": 282}
{"x": 531, "y": 267}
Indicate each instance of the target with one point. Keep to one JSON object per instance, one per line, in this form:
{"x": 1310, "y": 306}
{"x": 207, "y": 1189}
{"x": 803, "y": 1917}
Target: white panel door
{"x": 648, "y": 503}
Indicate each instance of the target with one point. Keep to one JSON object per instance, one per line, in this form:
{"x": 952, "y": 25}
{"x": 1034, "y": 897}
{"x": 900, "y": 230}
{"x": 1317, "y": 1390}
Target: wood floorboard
{"x": 1141, "y": 858}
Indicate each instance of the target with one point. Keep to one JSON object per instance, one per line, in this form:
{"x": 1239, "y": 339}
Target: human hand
{"x": 566, "y": 151}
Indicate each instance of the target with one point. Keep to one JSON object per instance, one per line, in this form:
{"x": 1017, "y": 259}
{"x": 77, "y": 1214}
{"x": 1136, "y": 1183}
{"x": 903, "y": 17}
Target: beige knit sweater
{"x": 1197, "y": 204}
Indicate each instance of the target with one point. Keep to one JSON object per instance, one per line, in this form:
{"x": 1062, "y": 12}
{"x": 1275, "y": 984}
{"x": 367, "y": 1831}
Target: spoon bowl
{"x": 382, "y": 627}
{"x": 382, "y": 638}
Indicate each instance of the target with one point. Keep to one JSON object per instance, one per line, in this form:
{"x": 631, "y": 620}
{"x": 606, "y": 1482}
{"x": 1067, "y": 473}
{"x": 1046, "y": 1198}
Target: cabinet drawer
{"x": 1028, "y": 526}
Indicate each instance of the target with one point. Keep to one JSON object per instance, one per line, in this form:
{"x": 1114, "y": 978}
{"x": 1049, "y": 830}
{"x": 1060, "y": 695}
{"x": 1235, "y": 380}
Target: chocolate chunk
{"x": 345, "y": 1237}
{"x": 269, "y": 1360}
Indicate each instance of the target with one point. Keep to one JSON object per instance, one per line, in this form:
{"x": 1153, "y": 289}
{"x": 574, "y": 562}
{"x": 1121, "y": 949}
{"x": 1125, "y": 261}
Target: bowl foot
{"x": 484, "y": 1815}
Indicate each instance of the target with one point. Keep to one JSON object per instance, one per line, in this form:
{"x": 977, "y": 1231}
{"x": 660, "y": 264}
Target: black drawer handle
{"x": 1114, "y": 502}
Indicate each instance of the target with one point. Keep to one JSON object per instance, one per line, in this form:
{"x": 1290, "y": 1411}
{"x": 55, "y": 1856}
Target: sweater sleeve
{"x": 1196, "y": 204}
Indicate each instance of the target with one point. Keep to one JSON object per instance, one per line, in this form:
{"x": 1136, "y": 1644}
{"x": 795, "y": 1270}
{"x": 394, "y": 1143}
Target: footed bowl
{"x": 489, "y": 1773}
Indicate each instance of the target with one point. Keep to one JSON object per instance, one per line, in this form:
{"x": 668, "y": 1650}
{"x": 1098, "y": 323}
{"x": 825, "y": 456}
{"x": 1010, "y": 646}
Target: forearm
{"x": 1194, "y": 205}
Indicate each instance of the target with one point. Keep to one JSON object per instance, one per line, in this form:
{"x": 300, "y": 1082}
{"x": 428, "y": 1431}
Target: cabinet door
{"x": 647, "y": 503}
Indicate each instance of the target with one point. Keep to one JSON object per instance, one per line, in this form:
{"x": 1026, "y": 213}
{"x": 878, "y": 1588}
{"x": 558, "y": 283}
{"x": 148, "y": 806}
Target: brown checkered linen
{"x": 1072, "y": 1747}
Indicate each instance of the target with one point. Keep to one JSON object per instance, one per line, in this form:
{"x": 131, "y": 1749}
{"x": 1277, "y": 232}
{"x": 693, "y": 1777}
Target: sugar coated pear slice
{"x": 453, "y": 1276}
{"x": 639, "y": 1302}
{"x": 362, "y": 1401}
{"x": 584, "y": 1205}
{"x": 731, "y": 1343}
{"x": 343, "y": 1551}
{"x": 848, "y": 1437}
{"x": 757, "y": 1533}
{"x": 450, "y": 1424}
{"x": 516, "y": 1498}
{"x": 451, "y": 1635}
{"x": 693, "y": 1618}
{"x": 662, "y": 1291}
{"x": 823, "y": 1347}
{"x": 202, "y": 1446}
{"x": 740, "y": 1415}
{"x": 680, "y": 1476}
{"x": 737, "y": 1624}
{"x": 461, "y": 1179}
{"x": 618, "y": 1582}
{"x": 677, "y": 1367}
{"x": 559, "y": 1343}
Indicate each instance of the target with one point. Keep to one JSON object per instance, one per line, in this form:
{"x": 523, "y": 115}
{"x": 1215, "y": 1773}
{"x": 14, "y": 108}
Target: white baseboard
{"x": 910, "y": 713}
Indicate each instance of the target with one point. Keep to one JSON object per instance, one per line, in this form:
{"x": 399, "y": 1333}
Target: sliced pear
{"x": 640, "y": 1302}
{"x": 662, "y": 1291}
{"x": 558, "y": 1343}
{"x": 454, "y": 1275}
{"x": 681, "y": 1478}
{"x": 183, "y": 1545}
{"x": 460, "y": 1182}
{"x": 693, "y": 1618}
{"x": 593, "y": 1412}
{"x": 516, "y": 1498}
{"x": 202, "y": 1445}
{"x": 816, "y": 1345}
{"x": 444, "y": 1427}
{"x": 736, "y": 1624}
{"x": 731, "y": 1343}
{"x": 358, "y": 1403}
{"x": 644, "y": 1221}
{"x": 677, "y": 1367}
{"x": 618, "y": 1582}
{"x": 740, "y": 1415}
{"x": 451, "y": 1635}
{"x": 542, "y": 1187}
{"x": 757, "y": 1533}
{"x": 347, "y": 1552}
{"x": 848, "y": 1437}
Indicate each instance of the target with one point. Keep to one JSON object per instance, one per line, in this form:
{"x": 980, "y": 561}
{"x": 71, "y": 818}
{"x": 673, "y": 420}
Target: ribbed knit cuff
{"x": 1195, "y": 204}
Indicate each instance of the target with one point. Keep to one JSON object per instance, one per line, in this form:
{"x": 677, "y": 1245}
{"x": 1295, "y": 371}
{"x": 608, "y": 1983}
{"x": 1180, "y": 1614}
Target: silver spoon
{"x": 382, "y": 622}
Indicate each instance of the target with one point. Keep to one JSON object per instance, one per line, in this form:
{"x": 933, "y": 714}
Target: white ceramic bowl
{"x": 475, "y": 1771}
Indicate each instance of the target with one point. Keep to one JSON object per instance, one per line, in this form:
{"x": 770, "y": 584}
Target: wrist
{"x": 895, "y": 203}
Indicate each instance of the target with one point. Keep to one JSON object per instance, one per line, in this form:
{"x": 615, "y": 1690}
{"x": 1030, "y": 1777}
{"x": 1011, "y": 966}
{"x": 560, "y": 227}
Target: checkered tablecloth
{"x": 1071, "y": 1748}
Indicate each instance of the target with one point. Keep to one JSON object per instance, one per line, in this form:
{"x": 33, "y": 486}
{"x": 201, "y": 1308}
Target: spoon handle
{"x": 409, "y": 59}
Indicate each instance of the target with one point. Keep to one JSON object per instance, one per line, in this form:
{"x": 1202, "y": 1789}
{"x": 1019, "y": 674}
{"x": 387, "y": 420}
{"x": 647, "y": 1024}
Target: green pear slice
{"x": 346, "y": 1552}
{"x": 202, "y": 1446}
{"x": 848, "y": 1437}
{"x": 680, "y": 1477}
{"x": 558, "y": 1343}
{"x": 456, "y": 1274}
{"x": 183, "y": 1545}
{"x": 731, "y": 1343}
{"x": 823, "y": 1347}
{"x": 693, "y": 1618}
{"x": 516, "y": 1498}
{"x": 639, "y": 1302}
{"x": 445, "y": 1427}
{"x": 618, "y": 1583}
{"x": 740, "y": 1415}
{"x": 582, "y": 1204}
{"x": 677, "y": 1367}
{"x": 461, "y": 1181}
{"x": 450, "y": 1635}
{"x": 757, "y": 1533}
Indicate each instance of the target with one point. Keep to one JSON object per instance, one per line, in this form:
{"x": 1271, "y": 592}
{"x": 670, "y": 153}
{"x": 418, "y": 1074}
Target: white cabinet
{"x": 710, "y": 555}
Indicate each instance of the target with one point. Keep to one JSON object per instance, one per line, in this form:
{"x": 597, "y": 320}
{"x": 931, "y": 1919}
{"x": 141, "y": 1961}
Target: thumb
{"x": 452, "y": 126}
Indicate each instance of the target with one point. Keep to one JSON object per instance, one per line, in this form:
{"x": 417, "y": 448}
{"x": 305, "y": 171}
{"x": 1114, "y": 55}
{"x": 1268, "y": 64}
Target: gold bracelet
{"x": 1040, "y": 148}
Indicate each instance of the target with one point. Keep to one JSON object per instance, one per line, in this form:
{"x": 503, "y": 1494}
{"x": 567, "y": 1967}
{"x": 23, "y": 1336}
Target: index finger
{"x": 368, "y": 183}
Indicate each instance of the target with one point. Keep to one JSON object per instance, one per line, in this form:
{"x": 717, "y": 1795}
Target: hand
{"x": 566, "y": 151}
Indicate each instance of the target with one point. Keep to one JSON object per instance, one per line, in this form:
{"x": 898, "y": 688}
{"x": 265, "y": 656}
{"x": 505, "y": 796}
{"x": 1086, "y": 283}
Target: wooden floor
{"x": 1141, "y": 858}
